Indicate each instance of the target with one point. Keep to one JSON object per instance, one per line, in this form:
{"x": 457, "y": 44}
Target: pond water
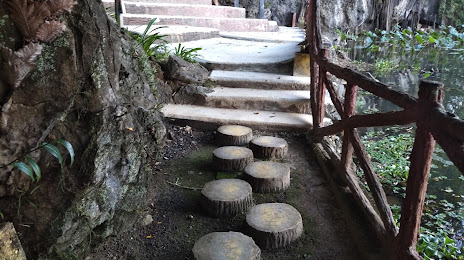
{"x": 403, "y": 71}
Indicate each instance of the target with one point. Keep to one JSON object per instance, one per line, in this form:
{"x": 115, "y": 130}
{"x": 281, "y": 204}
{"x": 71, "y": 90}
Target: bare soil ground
{"x": 170, "y": 227}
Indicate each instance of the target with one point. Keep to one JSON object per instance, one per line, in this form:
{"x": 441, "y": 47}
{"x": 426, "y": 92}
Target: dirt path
{"x": 178, "y": 220}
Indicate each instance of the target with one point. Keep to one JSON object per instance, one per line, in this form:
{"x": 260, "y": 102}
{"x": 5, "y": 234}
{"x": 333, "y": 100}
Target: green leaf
{"x": 419, "y": 38}
{"x": 427, "y": 74}
{"x": 34, "y": 167}
{"x": 54, "y": 151}
{"x": 24, "y": 168}
{"x": 432, "y": 40}
{"x": 68, "y": 147}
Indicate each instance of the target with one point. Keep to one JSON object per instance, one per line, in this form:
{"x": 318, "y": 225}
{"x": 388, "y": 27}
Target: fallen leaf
{"x": 256, "y": 113}
{"x": 159, "y": 222}
{"x": 130, "y": 128}
{"x": 150, "y": 236}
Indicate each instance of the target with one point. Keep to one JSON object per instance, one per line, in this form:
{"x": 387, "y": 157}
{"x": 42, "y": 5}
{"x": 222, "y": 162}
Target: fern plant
{"x": 186, "y": 53}
{"x": 38, "y": 21}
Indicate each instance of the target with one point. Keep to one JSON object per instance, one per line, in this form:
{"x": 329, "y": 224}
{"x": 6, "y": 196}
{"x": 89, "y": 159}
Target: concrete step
{"x": 184, "y": 10}
{"x": 239, "y": 55}
{"x": 292, "y": 101}
{"x": 285, "y": 34}
{"x": 212, "y": 118}
{"x": 222, "y": 24}
{"x": 187, "y": 2}
{"x": 177, "y": 33}
{"x": 259, "y": 80}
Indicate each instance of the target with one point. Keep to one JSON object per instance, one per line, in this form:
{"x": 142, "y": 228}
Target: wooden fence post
{"x": 311, "y": 36}
{"x": 430, "y": 95}
{"x": 350, "y": 105}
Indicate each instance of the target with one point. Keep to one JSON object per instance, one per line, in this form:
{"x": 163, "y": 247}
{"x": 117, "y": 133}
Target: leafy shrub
{"x": 186, "y": 53}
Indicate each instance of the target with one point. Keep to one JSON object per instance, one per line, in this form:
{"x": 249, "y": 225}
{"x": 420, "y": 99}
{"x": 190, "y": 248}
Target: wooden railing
{"x": 433, "y": 124}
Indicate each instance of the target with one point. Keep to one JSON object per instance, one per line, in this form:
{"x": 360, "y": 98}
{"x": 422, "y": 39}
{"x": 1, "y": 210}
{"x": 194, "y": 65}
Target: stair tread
{"x": 260, "y": 94}
{"x": 258, "y": 77}
{"x": 256, "y": 118}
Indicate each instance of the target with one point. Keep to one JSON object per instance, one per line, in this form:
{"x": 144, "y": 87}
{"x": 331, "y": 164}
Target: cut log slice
{"x": 232, "y": 158}
{"x": 226, "y": 246}
{"x": 235, "y": 135}
{"x": 226, "y": 198}
{"x": 269, "y": 147}
{"x": 267, "y": 176}
{"x": 273, "y": 225}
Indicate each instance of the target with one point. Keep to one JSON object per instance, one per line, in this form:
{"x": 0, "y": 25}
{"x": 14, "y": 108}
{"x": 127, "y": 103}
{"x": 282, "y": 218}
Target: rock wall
{"x": 93, "y": 87}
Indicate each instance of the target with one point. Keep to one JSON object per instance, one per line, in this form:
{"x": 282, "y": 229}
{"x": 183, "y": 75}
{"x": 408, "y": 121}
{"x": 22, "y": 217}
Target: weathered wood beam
{"x": 382, "y": 90}
{"x": 363, "y": 202}
{"x": 377, "y": 119}
{"x": 430, "y": 95}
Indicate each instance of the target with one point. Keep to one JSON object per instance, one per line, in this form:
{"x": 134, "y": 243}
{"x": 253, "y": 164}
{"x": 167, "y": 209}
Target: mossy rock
{"x": 273, "y": 225}
{"x": 269, "y": 147}
{"x": 226, "y": 246}
{"x": 226, "y": 198}
{"x": 266, "y": 176}
{"x": 231, "y": 158}
{"x": 233, "y": 135}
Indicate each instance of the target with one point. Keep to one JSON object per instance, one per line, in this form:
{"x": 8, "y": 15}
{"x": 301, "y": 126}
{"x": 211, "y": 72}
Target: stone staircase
{"x": 251, "y": 63}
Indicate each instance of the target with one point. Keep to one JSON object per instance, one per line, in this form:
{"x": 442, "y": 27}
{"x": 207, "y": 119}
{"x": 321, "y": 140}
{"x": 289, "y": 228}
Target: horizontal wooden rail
{"x": 380, "y": 89}
{"x": 369, "y": 120}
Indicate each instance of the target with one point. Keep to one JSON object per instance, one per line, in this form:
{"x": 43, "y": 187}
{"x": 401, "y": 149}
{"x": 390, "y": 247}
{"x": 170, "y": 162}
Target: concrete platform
{"x": 179, "y": 33}
{"x": 293, "y": 101}
{"x": 184, "y": 10}
{"x": 212, "y": 118}
{"x": 239, "y": 55}
{"x": 189, "y": 2}
{"x": 284, "y": 34}
{"x": 259, "y": 80}
{"x": 222, "y": 24}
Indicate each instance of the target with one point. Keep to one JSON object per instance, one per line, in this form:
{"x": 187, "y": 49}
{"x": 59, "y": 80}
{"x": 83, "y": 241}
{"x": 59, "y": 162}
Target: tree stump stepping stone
{"x": 269, "y": 147}
{"x": 232, "y": 158}
{"x": 226, "y": 246}
{"x": 233, "y": 135}
{"x": 273, "y": 225}
{"x": 267, "y": 176}
{"x": 226, "y": 197}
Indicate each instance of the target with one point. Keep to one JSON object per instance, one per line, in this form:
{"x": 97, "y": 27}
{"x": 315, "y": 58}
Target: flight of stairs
{"x": 251, "y": 64}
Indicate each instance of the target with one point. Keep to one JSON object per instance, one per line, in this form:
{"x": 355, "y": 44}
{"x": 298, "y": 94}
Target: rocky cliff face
{"x": 94, "y": 88}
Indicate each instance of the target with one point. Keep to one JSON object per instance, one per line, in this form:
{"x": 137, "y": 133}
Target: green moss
{"x": 46, "y": 60}
{"x": 195, "y": 169}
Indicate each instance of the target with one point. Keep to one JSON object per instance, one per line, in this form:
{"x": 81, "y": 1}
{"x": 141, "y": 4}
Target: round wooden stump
{"x": 233, "y": 135}
{"x": 267, "y": 176}
{"x": 269, "y": 147}
{"x": 226, "y": 198}
{"x": 226, "y": 246}
{"x": 232, "y": 158}
{"x": 273, "y": 225}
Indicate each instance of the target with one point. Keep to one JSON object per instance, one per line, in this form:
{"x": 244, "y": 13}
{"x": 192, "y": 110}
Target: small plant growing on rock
{"x": 186, "y": 53}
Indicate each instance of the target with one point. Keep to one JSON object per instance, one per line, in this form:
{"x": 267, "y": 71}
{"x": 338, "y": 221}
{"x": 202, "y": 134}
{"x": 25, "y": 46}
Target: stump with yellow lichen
{"x": 226, "y": 198}
{"x": 273, "y": 225}
{"x": 269, "y": 147}
{"x": 232, "y": 158}
{"x": 236, "y": 135}
{"x": 267, "y": 176}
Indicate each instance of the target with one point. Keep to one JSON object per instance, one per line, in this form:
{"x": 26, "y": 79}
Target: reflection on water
{"x": 436, "y": 64}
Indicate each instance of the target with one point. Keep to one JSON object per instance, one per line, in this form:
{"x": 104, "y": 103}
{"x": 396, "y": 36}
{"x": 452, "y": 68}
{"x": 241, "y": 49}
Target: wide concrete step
{"x": 222, "y": 24}
{"x": 178, "y": 33}
{"x": 293, "y": 101}
{"x": 184, "y": 10}
{"x": 239, "y": 55}
{"x": 259, "y": 80}
{"x": 212, "y": 118}
{"x": 188, "y": 2}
